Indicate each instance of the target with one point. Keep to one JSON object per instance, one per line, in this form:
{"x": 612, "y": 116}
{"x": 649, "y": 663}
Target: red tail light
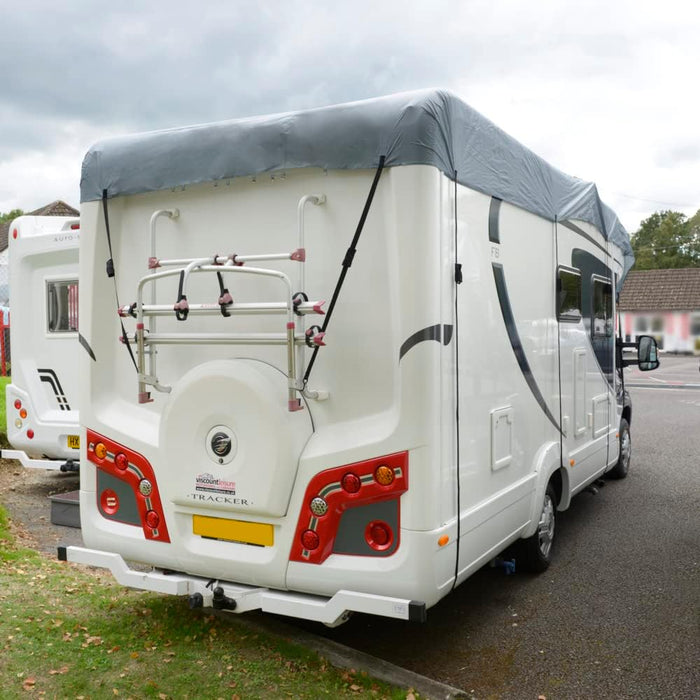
{"x": 364, "y": 489}
{"x": 117, "y": 462}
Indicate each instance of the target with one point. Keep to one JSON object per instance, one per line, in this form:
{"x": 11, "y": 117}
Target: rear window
{"x": 62, "y": 306}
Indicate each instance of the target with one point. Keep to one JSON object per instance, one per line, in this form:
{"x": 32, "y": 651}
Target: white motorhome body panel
{"x": 376, "y": 406}
{"x": 44, "y": 340}
{"x": 403, "y": 357}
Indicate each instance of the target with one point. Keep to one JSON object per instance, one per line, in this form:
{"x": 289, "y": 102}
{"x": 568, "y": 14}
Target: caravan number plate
{"x": 233, "y": 530}
{"x": 74, "y": 442}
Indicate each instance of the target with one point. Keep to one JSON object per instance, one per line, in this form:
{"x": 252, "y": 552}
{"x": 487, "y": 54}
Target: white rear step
{"x": 239, "y": 598}
{"x": 64, "y": 465}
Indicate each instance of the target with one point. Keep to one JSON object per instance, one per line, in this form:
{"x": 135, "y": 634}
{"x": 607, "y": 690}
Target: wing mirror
{"x": 647, "y": 353}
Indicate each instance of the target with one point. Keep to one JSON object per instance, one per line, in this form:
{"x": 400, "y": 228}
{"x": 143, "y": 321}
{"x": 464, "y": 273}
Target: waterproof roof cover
{"x": 429, "y": 127}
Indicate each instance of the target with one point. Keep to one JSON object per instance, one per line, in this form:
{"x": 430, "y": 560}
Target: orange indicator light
{"x": 572, "y": 462}
{"x": 443, "y": 540}
{"x": 23, "y": 413}
{"x": 384, "y": 475}
{"x": 100, "y": 450}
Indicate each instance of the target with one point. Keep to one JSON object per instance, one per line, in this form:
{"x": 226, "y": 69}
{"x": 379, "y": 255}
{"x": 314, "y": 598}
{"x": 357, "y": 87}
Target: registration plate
{"x": 233, "y": 530}
{"x": 74, "y": 442}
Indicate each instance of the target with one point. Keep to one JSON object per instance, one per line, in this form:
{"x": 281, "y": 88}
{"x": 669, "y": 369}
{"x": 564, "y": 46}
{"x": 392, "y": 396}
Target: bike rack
{"x": 295, "y": 307}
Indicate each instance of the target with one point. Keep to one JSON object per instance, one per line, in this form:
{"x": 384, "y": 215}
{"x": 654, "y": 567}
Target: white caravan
{"x": 260, "y": 449}
{"x": 41, "y": 401}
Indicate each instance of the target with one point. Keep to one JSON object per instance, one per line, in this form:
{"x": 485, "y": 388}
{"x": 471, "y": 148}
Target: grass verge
{"x": 66, "y": 632}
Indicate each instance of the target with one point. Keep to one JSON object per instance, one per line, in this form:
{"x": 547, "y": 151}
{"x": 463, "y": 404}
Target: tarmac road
{"x": 617, "y": 615}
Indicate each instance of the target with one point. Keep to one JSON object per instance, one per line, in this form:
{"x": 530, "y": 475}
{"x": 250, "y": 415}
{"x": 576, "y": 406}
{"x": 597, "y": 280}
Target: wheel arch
{"x": 547, "y": 468}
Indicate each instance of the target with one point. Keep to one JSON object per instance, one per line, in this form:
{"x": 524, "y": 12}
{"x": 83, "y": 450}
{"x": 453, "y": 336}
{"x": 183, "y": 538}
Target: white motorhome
{"x": 260, "y": 449}
{"x": 41, "y": 401}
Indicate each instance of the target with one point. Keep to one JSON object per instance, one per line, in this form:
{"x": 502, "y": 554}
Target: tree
{"x": 667, "y": 239}
{"x": 4, "y": 218}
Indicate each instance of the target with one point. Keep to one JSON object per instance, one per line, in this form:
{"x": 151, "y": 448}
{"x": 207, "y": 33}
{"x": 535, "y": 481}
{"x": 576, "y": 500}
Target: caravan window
{"x": 602, "y": 308}
{"x": 569, "y": 295}
{"x": 62, "y": 306}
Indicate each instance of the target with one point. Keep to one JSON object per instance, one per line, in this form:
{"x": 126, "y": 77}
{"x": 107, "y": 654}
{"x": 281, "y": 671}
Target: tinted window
{"x": 62, "y": 306}
{"x": 602, "y": 309}
{"x": 569, "y": 295}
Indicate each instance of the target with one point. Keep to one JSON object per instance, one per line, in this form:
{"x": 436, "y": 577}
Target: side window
{"x": 695, "y": 324}
{"x": 602, "y": 326}
{"x": 641, "y": 324}
{"x": 569, "y": 295}
{"x": 62, "y": 306}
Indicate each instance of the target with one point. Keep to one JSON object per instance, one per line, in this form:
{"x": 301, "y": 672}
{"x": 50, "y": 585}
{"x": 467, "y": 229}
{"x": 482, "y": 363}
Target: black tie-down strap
{"x": 111, "y": 273}
{"x": 347, "y": 261}
{"x": 181, "y": 307}
{"x": 225, "y": 298}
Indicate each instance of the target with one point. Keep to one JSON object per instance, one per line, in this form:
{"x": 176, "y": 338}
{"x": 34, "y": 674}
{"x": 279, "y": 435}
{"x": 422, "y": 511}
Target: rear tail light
{"x": 310, "y": 540}
{"x": 352, "y": 509}
{"x": 30, "y": 434}
{"x": 351, "y": 482}
{"x": 379, "y": 535}
{"x": 126, "y": 486}
{"x": 18, "y": 404}
{"x": 384, "y": 475}
{"x": 109, "y": 501}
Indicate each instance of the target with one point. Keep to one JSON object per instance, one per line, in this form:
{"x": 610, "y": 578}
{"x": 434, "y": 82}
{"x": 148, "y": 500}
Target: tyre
{"x": 536, "y": 551}
{"x": 619, "y": 471}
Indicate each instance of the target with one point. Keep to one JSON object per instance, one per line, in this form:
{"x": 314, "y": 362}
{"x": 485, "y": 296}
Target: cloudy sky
{"x": 603, "y": 89}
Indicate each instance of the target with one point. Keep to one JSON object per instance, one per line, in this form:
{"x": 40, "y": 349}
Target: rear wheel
{"x": 619, "y": 471}
{"x": 536, "y": 551}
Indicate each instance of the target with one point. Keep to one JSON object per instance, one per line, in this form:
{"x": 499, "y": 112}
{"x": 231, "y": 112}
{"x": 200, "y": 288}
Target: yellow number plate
{"x": 74, "y": 442}
{"x": 233, "y": 530}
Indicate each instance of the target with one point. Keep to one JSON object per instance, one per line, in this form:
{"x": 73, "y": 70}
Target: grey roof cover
{"x": 430, "y": 127}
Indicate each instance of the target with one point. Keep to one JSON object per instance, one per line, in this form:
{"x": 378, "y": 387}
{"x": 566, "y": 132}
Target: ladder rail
{"x": 204, "y": 265}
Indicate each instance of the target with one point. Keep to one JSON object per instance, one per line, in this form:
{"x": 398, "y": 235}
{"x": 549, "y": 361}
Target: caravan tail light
{"x": 379, "y": 535}
{"x": 353, "y": 509}
{"x": 18, "y": 404}
{"x": 30, "y": 434}
{"x": 126, "y": 486}
{"x": 310, "y": 540}
{"x": 351, "y": 482}
{"x": 384, "y": 475}
{"x": 14, "y": 233}
{"x": 109, "y": 501}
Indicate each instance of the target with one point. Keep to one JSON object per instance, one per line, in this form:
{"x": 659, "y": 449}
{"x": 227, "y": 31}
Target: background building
{"x": 664, "y": 304}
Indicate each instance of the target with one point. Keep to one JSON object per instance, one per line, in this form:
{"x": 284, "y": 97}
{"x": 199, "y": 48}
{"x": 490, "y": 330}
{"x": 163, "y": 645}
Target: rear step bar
{"x": 239, "y": 598}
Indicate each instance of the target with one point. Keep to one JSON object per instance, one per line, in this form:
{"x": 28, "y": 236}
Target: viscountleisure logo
{"x": 211, "y": 483}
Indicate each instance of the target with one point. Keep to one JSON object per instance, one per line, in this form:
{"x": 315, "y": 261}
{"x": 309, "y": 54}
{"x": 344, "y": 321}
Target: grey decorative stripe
{"x": 494, "y": 212}
{"x": 51, "y": 378}
{"x": 516, "y": 343}
{"x": 440, "y": 332}
{"x": 87, "y": 347}
{"x": 581, "y": 232}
